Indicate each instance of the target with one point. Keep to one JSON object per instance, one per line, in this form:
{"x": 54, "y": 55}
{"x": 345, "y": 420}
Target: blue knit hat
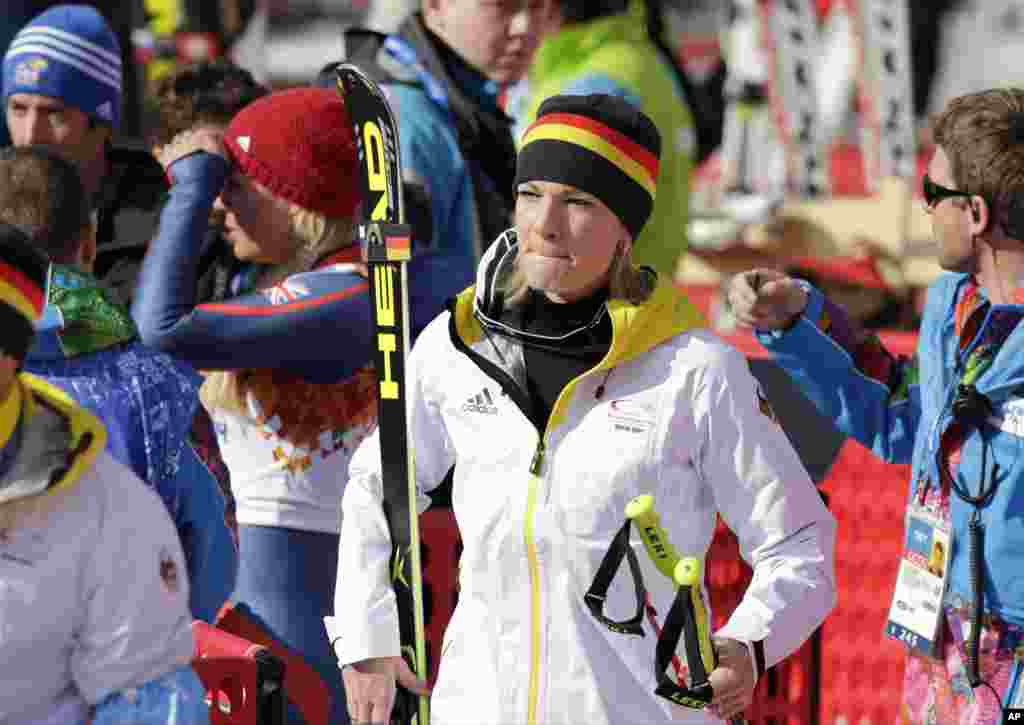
{"x": 68, "y": 52}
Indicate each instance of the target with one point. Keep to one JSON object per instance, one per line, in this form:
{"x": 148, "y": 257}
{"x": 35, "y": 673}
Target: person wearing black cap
{"x": 93, "y": 589}
{"x": 565, "y": 383}
{"x": 954, "y": 412}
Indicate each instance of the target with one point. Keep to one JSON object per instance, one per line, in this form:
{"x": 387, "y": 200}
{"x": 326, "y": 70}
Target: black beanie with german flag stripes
{"x": 599, "y": 144}
{"x": 24, "y": 271}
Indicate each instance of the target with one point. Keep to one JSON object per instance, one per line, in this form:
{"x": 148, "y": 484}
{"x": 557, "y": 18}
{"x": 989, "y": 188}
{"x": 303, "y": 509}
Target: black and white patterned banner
{"x": 886, "y": 88}
{"x": 792, "y": 32}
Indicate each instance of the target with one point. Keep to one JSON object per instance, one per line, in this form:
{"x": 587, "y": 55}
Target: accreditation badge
{"x": 1015, "y": 692}
{"x": 916, "y": 608}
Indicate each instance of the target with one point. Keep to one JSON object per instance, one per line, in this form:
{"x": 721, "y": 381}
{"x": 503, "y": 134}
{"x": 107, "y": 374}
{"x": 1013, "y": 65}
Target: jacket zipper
{"x": 517, "y": 395}
{"x": 538, "y": 458}
{"x": 536, "y": 466}
{"x": 533, "y": 564}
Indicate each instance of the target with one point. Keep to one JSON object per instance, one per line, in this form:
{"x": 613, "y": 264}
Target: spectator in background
{"x": 62, "y": 79}
{"x": 16, "y": 14}
{"x": 208, "y": 94}
{"x": 291, "y": 388}
{"x": 444, "y": 71}
{"x": 615, "y": 47}
{"x": 87, "y": 346}
{"x": 94, "y": 597}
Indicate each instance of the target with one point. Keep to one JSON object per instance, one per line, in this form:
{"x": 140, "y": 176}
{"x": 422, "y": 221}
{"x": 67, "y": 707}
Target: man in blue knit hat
{"x": 62, "y": 88}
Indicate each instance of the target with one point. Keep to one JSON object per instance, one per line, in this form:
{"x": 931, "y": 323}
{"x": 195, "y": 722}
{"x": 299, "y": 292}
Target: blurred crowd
{"x": 953, "y": 46}
{"x": 187, "y": 168}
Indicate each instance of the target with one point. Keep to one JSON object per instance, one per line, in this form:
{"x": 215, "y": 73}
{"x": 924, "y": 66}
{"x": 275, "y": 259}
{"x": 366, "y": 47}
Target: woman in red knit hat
{"x": 291, "y": 387}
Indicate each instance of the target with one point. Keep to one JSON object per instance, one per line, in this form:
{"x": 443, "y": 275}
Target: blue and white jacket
{"x": 149, "y": 402}
{"x": 899, "y": 408}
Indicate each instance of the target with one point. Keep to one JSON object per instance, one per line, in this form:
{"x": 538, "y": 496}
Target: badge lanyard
{"x": 916, "y": 609}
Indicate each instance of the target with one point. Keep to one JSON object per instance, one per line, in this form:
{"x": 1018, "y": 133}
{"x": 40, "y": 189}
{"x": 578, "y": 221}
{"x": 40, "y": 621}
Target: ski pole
{"x": 689, "y": 615}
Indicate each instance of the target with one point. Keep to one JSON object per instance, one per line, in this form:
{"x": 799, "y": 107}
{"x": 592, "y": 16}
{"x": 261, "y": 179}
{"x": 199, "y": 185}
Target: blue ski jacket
{"x": 149, "y": 402}
{"x": 899, "y": 408}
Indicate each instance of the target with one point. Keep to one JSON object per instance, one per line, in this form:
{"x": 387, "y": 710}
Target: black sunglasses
{"x": 934, "y": 193}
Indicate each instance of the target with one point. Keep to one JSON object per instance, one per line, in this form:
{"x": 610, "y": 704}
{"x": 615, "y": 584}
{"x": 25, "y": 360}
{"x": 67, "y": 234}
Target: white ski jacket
{"x": 671, "y": 411}
{"x": 93, "y": 586}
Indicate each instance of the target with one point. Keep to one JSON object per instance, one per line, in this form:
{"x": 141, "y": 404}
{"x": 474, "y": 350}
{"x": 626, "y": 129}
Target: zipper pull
{"x": 538, "y": 458}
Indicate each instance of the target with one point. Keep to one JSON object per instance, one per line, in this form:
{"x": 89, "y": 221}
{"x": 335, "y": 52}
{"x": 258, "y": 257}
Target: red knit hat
{"x": 298, "y": 143}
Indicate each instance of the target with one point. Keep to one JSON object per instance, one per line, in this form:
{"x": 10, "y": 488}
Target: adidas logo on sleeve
{"x": 482, "y": 402}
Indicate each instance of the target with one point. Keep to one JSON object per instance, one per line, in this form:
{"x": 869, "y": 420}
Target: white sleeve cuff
{"x": 380, "y": 641}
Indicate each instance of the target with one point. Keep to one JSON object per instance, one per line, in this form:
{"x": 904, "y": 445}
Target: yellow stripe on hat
{"x": 10, "y": 412}
{"x": 16, "y": 299}
{"x": 594, "y": 143}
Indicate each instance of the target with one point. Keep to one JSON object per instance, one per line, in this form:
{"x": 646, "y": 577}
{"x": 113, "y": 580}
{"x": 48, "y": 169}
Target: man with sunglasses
{"x": 955, "y": 412}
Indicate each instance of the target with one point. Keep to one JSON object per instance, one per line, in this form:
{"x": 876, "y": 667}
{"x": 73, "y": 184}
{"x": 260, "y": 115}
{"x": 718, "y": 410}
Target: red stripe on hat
{"x": 32, "y": 292}
{"x": 622, "y": 142}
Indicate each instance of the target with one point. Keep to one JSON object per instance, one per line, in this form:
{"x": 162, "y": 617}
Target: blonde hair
{"x": 315, "y": 236}
{"x": 626, "y": 281}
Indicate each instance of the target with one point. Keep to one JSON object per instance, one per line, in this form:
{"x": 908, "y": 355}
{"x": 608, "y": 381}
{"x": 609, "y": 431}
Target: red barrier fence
{"x": 861, "y": 669}
{"x": 856, "y": 677}
{"x": 788, "y": 693}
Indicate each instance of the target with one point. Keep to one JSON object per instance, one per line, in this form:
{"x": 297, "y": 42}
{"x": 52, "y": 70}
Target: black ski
{"x": 387, "y": 245}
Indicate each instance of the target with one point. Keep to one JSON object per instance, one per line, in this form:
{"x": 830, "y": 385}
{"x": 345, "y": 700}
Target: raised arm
{"x": 325, "y": 316}
{"x": 844, "y": 370}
